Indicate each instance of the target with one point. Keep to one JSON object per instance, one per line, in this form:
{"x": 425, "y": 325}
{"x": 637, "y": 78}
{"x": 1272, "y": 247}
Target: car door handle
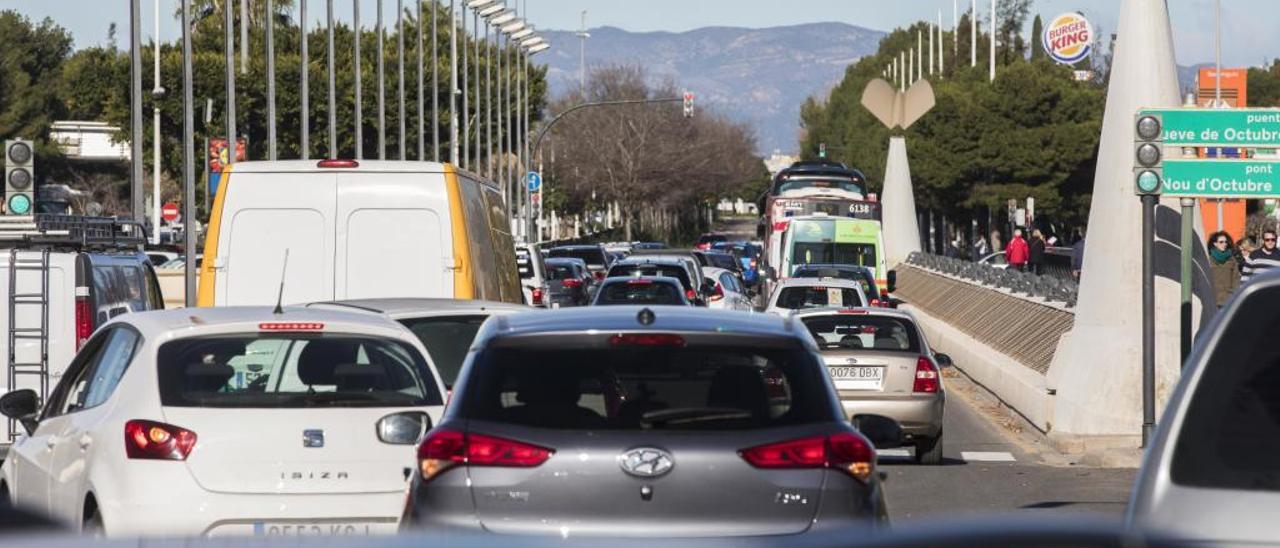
{"x": 85, "y": 441}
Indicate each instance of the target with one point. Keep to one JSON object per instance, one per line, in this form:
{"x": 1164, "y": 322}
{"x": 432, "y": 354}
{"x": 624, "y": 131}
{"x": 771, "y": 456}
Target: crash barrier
{"x": 1022, "y": 329}
{"x": 1048, "y": 287}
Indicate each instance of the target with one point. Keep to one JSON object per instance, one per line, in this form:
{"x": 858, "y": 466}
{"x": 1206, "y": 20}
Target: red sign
{"x": 218, "y": 153}
{"x": 169, "y": 212}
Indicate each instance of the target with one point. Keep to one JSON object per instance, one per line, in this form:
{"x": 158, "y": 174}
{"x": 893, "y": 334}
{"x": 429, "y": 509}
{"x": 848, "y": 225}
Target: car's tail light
{"x": 926, "y": 376}
{"x": 853, "y": 311}
{"x": 157, "y": 440}
{"x": 84, "y": 320}
{"x": 646, "y": 339}
{"x": 599, "y": 275}
{"x": 537, "y": 295}
{"x": 719, "y": 294}
{"x": 780, "y": 225}
{"x": 443, "y": 449}
{"x": 571, "y": 283}
{"x": 639, "y": 281}
{"x": 876, "y": 303}
{"x": 847, "y": 452}
{"x": 689, "y": 294}
{"x": 291, "y": 326}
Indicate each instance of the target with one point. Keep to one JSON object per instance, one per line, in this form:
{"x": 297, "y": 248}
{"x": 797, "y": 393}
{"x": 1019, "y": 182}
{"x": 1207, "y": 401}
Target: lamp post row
{"x": 493, "y": 90}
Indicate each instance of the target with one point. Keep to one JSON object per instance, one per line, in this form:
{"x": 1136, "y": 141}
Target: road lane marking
{"x": 987, "y": 456}
{"x": 896, "y": 453}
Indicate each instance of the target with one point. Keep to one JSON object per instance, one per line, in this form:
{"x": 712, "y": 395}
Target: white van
{"x": 356, "y": 230}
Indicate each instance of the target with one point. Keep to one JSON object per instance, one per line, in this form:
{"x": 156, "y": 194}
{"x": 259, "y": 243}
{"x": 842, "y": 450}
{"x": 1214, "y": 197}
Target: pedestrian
{"x": 1262, "y": 259}
{"x": 1017, "y": 253}
{"x": 1077, "y": 256}
{"x": 1223, "y": 266}
{"x": 1244, "y": 247}
{"x": 1035, "y": 260}
{"x": 980, "y": 249}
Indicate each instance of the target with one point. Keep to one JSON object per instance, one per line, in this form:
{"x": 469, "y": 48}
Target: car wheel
{"x": 929, "y": 450}
{"x": 93, "y": 526}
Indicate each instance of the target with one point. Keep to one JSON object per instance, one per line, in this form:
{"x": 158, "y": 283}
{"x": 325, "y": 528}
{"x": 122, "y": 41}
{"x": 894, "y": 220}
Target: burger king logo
{"x": 1068, "y": 38}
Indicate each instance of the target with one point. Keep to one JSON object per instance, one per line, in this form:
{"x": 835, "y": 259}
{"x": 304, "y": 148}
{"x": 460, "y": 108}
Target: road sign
{"x": 169, "y": 212}
{"x": 533, "y": 180}
{"x": 1218, "y": 127}
{"x": 1222, "y": 178}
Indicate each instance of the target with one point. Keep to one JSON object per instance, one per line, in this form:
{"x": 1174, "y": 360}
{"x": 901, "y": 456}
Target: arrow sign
{"x": 533, "y": 180}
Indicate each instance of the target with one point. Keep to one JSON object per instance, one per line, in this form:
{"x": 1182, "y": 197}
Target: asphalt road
{"x": 986, "y": 472}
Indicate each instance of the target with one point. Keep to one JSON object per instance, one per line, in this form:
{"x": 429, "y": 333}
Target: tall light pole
{"x": 475, "y": 23}
{"x": 400, "y": 73}
{"x": 941, "y": 39}
{"x": 453, "y": 84}
{"x": 488, "y": 103}
{"x": 333, "y": 100}
{"x": 931, "y": 60}
{"x": 244, "y": 36}
{"x": 359, "y": 107}
{"x": 188, "y": 161}
{"x": 231, "y": 83}
{"x": 435, "y": 85}
{"x": 382, "y": 87}
{"x": 157, "y": 92}
{"x": 271, "y": 81}
{"x": 955, "y": 29}
{"x": 422, "y": 136}
{"x": 304, "y": 85}
{"x": 135, "y": 111}
{"x": 994, "y": 27}
{"x": 582, "y": 68}
{"x": 464, "y": 88}
{"x": 973, "y": 33}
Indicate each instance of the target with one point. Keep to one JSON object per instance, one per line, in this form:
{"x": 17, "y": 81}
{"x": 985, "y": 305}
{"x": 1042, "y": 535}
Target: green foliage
{"x": 1264, "y": 86}
{"x": 1033, "y": 132}
{"x": 1037, "y": 45}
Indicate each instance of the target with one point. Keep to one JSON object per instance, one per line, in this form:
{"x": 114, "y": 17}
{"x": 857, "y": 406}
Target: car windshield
{"x": 691, "y": 387}
{"x": 293, "y": 370}
{"x": 669, "y": 271}
{"x": 837, "y": 183}
{"x": 861, "y": 331}
{"x": 835, "y": 253}
{"x": 809, "y": 271}
{"x": 640, "y": 291}
{"x": 594, "y": 257}
{"x": 447, "y": 339}
{"x": 800, "y": 297}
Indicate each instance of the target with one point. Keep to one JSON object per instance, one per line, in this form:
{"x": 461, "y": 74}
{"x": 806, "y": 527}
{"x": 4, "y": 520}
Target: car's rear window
{"x": 724, "y": 261}
{"x": 669, "y": 271}
{"x": 857, "y": 331}
{"x": 647, "y": 388}
{"x": 640, "y": 292}
{"x": 591, "y": 256}
{"x": 840, "y": 273}
{"x": 800, "y": 297}
{"x": 447, "y": 338}
{"x": 1230, "y": 437}
{"x": 293, "y": 370}
{"x": 560, "y": 272}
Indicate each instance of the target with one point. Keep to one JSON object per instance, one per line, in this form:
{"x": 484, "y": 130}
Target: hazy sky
{"x": 1251, "y": 35}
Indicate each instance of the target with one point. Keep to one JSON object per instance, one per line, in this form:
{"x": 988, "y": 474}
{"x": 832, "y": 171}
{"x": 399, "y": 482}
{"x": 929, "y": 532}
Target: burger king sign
{"x": 1068, "y": 38}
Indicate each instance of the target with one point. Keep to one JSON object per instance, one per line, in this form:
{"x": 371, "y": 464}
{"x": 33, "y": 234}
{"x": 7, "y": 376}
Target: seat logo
{"x": 646, "y": 462}
{"x": 313, "y": 438}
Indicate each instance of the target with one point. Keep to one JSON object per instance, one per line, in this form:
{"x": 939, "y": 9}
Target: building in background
{"x": 1235, "y": 94}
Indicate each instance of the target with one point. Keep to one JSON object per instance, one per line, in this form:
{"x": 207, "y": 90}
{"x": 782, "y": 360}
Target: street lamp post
{"x": 453, "y": 84}
{"x": 157, "y": 92}
{"x": 359, "y": 110}
{"x": 304, "y": 85}
{"x": 382, "y": 88}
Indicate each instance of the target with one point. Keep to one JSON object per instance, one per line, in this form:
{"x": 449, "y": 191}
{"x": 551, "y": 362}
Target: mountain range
{"x": 756, "y": 76}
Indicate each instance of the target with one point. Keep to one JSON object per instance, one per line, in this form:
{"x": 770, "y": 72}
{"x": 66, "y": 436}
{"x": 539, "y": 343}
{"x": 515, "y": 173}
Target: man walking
{"x": 1262, "y": 259}
{"x": 1017, "y": 252}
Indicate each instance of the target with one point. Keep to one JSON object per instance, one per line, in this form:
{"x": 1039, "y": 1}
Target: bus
{"x": 823, "y": 239}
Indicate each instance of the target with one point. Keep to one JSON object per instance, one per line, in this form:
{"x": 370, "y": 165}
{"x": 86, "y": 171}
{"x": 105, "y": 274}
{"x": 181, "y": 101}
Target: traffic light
{"x": 19, "y": 177}
{"x": 688, "y": 104}
{"x": 1148, "y": 152}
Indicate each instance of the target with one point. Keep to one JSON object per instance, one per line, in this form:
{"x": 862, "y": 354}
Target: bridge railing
{"x": 1048, "y": 287}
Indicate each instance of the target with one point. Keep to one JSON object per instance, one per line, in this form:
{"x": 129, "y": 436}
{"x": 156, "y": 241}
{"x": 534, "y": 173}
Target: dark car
{"x": 720, "y": 259}
{"x": 649, "y": 245}
{"x": 651, "y": 290}
{"x": 648, "y": 422}
{"x": 705, "y": 240}
{"x": 748, "y": 255}
{"x": 668, "y": 267}
{"x": 570, "y": 283}
{"x": 597, "y": 259}
{"x": 866, "y": 275}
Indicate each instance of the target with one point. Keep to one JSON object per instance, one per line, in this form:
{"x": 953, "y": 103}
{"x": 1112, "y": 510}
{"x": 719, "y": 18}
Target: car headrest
{"x": 739, "y": 388}
{"x": 207, "y": 377}
{"x": 549, "y": 389}
{"x": 319, "y": 361}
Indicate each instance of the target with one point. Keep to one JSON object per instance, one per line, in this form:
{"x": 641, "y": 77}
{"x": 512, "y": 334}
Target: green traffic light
{"x": 19, "y": 204}
{"x": 1148, "y": 182}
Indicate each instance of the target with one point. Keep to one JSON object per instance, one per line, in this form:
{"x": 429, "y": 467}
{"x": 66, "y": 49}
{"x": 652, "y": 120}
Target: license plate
{"x": 857, "y": 378}
{"x": 324, "y": 529}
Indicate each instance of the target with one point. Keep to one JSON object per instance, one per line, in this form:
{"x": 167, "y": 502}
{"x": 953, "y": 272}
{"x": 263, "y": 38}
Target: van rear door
{"x": 393, "y": 237}
{"x": 267, "y": 214}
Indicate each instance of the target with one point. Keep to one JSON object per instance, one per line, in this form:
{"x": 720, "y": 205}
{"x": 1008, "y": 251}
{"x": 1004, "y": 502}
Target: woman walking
{"x": 1224, "y": 268}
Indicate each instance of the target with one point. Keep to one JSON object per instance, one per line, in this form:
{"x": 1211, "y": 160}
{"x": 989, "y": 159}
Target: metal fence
{"x": 1050, "y": 287}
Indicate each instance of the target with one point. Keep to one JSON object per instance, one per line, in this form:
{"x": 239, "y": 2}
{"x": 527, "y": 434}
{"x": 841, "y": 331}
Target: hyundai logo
{"x": 313, "y": 438}
{"x": 646, "y": 462}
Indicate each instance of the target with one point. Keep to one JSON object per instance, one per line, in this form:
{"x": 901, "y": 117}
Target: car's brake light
{"x": 443, "y": 449}
{"x": 537, "y": 295}
{"x": 571, "y": 283}
{"x": 639, "y": 281}
{"x": 847, "y": 452}
{"x": 646, "y": 339}
{"x": 719, "y": 294}
{"x": 336, "y": 163}
{"x": 599, "y": 275}
{"x": 875, "y": 303}
{"x": 926, "y": 376}
{"x": 689, "y": 294}
{"x": 84, "y": 320}
{"x": 855, "y": 311}
{"x": 291, "y": 326}
{"x": 157, "y": 441}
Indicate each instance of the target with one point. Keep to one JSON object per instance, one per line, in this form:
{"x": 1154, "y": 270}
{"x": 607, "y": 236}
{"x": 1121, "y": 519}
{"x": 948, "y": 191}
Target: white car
{"x": 229, "y": 421}
{"x": 729, "y": 293}
{"x": 446, "y": 327}
{"x": 533, "y": 275}
{"x": 804, "y": 293}
{"x": 995, "y": 260}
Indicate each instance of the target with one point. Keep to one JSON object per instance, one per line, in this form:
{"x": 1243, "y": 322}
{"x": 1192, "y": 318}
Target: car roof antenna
{"x": 280, "y": 297}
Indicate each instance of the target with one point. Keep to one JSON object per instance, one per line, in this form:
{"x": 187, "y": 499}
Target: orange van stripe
{"x": 208, "y": 274}
{"x": 464, "y": 286}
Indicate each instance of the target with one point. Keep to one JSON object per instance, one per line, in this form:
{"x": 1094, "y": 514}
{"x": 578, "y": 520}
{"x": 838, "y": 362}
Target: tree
{"x": 1037, "y": 44}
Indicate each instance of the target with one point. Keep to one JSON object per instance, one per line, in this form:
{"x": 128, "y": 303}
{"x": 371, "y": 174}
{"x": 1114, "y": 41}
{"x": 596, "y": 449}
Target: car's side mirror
{"x": 893, "y": 281}
{"x": 884, "y": 432}
{"x": 23, "y": 406}
{"x": 943, "y": 360}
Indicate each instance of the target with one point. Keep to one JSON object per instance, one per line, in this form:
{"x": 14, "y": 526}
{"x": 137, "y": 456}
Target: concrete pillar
{"x": 901, "y": 230}
{"x": 1097, "y": 370}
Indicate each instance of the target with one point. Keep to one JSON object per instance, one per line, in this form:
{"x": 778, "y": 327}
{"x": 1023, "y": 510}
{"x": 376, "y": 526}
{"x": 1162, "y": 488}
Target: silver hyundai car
{"x": 648, "y": 422}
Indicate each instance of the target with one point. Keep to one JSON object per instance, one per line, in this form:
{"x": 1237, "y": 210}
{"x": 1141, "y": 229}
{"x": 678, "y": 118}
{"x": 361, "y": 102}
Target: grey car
{"x": 647, "y": 422}
{"x": 1212, "y": 471}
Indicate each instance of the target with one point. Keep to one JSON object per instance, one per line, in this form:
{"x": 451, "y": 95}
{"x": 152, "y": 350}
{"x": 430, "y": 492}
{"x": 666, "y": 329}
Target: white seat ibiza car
{"x": 229, "y": 421}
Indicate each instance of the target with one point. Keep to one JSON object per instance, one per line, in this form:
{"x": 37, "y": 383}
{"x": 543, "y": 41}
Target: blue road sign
{"x": 533, "y": 180}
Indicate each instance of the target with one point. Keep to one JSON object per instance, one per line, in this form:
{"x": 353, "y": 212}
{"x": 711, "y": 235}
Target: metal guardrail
{"x": 1049, "y": 287}
{"x": 1022, "y": 329}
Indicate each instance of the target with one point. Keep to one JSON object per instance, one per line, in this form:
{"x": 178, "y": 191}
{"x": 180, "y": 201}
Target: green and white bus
{"x": 822, "y": 239}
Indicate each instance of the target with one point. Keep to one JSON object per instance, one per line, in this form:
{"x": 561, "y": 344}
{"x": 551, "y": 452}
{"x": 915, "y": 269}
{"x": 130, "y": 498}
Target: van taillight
{"x": 849, "y": 453}
{"x": 443, "y": 449}
{"x": 537, "y": 295}
{"x": 84, "y": 321}
{"x": 157, "y": 441}
{"x": 926, "y": 376}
